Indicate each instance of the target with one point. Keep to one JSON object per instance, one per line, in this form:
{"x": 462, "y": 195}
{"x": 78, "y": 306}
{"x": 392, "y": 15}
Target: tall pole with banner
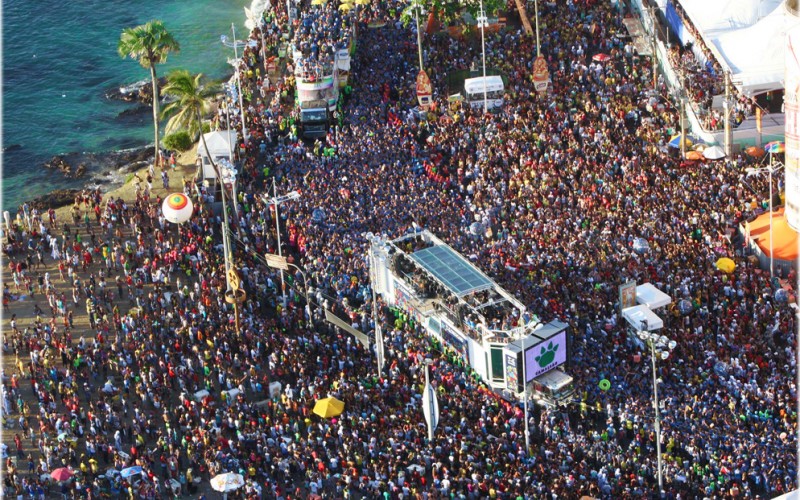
{"x": 541, "y": 76}
{"x": 424, "y": 89}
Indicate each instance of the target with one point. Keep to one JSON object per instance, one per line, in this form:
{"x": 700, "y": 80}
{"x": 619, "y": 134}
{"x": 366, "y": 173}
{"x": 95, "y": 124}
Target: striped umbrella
{"x": 775, "y": 147}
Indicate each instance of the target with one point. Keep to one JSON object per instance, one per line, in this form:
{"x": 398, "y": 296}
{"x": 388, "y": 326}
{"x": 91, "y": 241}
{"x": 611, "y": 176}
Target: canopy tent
{"x": 713, "y": 18}
{"x": 642, "y": 318}
{"x": 220, "y": 144}
{"x": 784, "y": 238}
{"x": 756, "y": 54}
{"x": 652, "y": 297}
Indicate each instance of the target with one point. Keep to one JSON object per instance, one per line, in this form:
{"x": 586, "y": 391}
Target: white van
{"x": 493, "y": 86}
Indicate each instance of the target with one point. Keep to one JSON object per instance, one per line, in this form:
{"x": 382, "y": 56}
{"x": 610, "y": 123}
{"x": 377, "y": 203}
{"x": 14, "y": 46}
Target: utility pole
{"x": 654, "y": 59}
{"x": 536, "y": 14}
{"x": 419, "y": 36}
{"x": 726, "y": 106}
{"x": 683, "y": 125}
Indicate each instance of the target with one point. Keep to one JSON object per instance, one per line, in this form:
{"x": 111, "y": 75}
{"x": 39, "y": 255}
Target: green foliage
{"x": 191, "y": 101}
{"x": 180, "y": 141}
{"x": 448, "y": 11}
{"x": 147, "y": 43}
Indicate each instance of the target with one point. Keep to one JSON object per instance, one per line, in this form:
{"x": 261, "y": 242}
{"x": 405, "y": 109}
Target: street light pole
{"x": 239, "y": 81}
{"x": 482, "y": 23}
{"x": 536, "y": 14}
{"x": 770, "y": 218}
{"x": 419, "y": 36}
{"x": 770, "y": 169}
{"x": 308, "y": 295}
{"x": 379, "y": 353}
{"x": 683, "y": 126}
{"x": 658, "y": 419}
{"x": 277, "y": 200}
{"x": 659, "y": 346}
{"x": 525, "y": 404}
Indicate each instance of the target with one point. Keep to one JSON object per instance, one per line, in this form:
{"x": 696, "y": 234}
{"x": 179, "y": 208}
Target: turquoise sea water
{"x": 59, "y": 58}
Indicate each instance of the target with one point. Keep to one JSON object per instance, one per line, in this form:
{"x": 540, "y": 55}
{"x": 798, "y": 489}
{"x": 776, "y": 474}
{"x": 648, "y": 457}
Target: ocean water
{"x": 59, "y": 58}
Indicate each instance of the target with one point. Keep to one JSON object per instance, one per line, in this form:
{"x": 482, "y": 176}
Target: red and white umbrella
{"x": 601, "y": 57}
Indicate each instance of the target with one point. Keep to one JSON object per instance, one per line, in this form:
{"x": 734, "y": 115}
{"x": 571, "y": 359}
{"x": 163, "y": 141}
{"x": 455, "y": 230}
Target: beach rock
{"x": 141, "y": 91}
{"x": 133, "y": 156}
{"x": 80, "y": 171}
{"x": 59, "y": 163}
{"x": 134, "y": 112}
{"x": 55, "y": 199}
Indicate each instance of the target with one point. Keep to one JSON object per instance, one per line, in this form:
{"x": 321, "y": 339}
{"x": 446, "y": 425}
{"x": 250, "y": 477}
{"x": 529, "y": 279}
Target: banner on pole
{"x": 424, "y": 89}
{"x": 541, "y": 76}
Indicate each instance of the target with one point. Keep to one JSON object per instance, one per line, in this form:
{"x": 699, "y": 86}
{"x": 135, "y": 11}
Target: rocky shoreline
{"x": 77, "y": 165}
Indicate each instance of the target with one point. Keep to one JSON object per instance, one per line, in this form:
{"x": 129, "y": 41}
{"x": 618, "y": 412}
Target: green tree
{"x": 192, "y": 102}
{"x": 149, "y": 44}
{"x": 447, "y": 11}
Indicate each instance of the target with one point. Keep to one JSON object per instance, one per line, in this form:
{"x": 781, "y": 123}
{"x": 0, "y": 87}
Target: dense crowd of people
{"x": 560, "y": 185}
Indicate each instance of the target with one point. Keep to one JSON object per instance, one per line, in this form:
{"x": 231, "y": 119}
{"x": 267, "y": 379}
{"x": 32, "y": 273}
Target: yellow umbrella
{"x": 362, "y": 2}
{"x": 318, "y": 2}
{"x": 726, "y": 265}
{"x": 346, "y": 6}
{"x": 329, "y": 407}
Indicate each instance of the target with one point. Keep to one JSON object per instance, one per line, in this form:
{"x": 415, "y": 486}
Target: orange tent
{"x": 784, "y": 238}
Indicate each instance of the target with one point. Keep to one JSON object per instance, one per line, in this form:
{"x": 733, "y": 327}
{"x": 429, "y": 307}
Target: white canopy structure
{"x": 220, "y": 144}
{"x": 755, "y": 55}
{"x": 642, "y": 318}
{"x": 747, "y": 37}
{"x": 651, "y": 296}
{"x": 712, "y": 18}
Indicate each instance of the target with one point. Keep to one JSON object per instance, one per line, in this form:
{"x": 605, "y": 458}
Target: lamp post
{"x": 308, "y": 295}
{"x": 279, "y": 262}
{"x": 482, "y": 24}
{"x": 277, "y": 200}
{"x": 525, "y": 395}
{"x": 419, "y": 35}
{"x": 659, "y": 346}
{"x": 683, "y": 125}
{"x": 236, "y": 65}
{"x": 374, "y": 241}
{"x": 536, "y": 15}
{"x": 770, "y": 169}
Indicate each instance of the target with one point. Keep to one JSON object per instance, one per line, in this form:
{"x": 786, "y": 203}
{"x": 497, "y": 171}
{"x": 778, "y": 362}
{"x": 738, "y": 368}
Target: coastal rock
{"x": 55, "y": 199}
{"x": 59, "y": 163}
{"x": 134, "y": 112}
{"x": 141, "y": 91}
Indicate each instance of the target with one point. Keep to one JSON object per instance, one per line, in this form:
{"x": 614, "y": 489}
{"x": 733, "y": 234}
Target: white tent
{"x": 756, "y": 54}
{"x": 636, "y": 317}
{"x": 652, "y": 297}
{"x": 220, "y": 144}
{"x": 715, "y": 17}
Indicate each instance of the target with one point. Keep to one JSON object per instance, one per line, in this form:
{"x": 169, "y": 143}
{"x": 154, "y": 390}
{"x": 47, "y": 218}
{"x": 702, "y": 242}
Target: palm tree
{"x": 149, "y": 44}
{"x": 188, "y": 109}
{"x": 192, "y": 102}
